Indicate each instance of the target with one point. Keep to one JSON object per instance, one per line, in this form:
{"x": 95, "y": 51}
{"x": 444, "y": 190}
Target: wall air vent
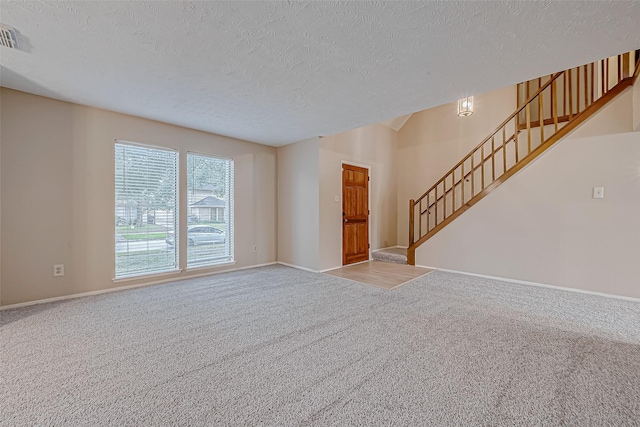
{"x": 8, "y": 37}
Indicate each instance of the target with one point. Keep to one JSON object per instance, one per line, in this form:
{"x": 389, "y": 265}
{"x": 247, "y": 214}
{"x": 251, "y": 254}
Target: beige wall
{"x": 298, "y": 204}
{"x": 58, "y": 194}
{"x": 543, "y": 226}
{"x": 434, "y": 140}
{"x": 374, "y": 146}
{"x": 310, "y": 179}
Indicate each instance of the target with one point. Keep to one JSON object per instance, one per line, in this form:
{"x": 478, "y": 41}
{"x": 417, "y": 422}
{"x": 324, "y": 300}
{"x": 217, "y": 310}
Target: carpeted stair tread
{"x": 395, "y": 255}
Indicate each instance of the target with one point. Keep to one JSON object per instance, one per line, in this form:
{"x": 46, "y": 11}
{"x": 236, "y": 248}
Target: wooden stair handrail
{"x": 585, "y": 90}
{"x": 467, "y": 175}
{"x": 503, "y": 124}
{"x": 578, "y": 119}
{"x": 546, "y": 122}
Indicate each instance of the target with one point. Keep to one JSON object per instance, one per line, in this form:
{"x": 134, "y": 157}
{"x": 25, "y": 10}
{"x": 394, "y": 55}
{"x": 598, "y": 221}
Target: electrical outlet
{"x": 58, "y": 270}
{"x": 255, "y": 248}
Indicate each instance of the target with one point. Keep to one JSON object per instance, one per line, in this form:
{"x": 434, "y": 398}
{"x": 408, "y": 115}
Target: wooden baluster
{"x": 564, "y": 93}
{"x": 539, "y": 83}
{"x": 541, "y": 115}
{"x": 504, "y": 149}
{"x": 429, "y": 211}
{"x": 453, "y": 192}
{"x": 436, "y": 208}
{"x": 493, "y": 159}
{"x": 482, "y": 166}
{"x": 586, "y": 87}
{"x": 577, "y": 90}
{"x": 619, "y": 68}
{"x": 554, "y": 105}
{"x": 444, "y": 198}
{"x": 606, "y": 76}
{"x": 580, "y": 85}
{"x": 626, "y": 60}
{"x": 592, "y": 86}
{"x": 411, "y": 221}
{"x": 515, "y": 136}
{"x": 570, "y": 94}
{"x": 420, "y": 219}
{"x": 601, "y": 77}
{"x": 528, "y": 116}
{"x": 553, "y": 93}
{"x": 462, "y": 186}
{"x": 518, "y": 89}
{"x": 473, "y": 174}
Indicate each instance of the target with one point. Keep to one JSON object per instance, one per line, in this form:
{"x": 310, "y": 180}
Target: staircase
{"x": 549, "y": 108}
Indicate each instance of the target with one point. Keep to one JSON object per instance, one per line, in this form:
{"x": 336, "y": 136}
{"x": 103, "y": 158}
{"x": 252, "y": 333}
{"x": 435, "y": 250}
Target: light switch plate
{"x": 598, "y": 192}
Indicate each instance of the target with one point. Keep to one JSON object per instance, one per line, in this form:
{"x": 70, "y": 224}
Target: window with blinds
{"x": 209, "y": 210}
{"x": 146, "y": 209}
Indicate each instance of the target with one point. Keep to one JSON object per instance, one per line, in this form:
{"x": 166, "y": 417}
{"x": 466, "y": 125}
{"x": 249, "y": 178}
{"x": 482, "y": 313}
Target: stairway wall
{"x": 543, "y": 226}
{"x": 434, "y": 140}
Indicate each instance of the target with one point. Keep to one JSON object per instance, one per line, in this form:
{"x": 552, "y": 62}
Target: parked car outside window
{"x": 200, "y": 235}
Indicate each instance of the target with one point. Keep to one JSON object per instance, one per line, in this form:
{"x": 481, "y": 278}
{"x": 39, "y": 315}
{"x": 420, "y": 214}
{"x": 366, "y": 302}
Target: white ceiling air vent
{"x": 8, "y": 37}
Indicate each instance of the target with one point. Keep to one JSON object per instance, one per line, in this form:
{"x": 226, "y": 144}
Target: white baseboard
{"x": 340, "y": 266}
{"x": 540, "y": 285}
{"x": 123, "y": 288}
{"x": 299, "y": 267}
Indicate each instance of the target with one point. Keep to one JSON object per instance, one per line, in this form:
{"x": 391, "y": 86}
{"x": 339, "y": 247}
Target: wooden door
{"x": 355, "y": 214}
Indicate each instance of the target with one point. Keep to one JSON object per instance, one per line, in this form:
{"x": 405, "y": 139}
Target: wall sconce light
{"x": 465, "y": 106}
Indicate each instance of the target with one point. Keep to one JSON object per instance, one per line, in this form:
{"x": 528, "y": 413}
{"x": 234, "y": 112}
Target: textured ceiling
{"x": 279, "y": 72}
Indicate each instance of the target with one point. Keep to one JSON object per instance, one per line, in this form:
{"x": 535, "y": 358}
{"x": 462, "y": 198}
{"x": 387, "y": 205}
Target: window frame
{"x": 176, "y": 214}
{"x": 230, "y": 235}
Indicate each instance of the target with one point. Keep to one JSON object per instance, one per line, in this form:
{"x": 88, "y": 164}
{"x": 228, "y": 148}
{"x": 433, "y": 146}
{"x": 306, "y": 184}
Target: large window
{"x": 146, "y": 215}
{"x": 209, "y": 210}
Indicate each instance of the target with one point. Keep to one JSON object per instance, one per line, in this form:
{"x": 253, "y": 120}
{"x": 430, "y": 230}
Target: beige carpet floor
{"x": 279, "y": 346}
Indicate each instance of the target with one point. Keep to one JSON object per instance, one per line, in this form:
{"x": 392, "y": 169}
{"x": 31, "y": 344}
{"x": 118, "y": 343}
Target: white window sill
{"x": 210, "y": 266}
{"x": 169, "y": 273}
{"x": 146, "y": 276}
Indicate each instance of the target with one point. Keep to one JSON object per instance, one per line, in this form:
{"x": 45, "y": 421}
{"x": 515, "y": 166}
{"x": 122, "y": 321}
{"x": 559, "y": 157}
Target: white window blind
{"x": 146, "y": 209}
{"x": 209, "y": 210}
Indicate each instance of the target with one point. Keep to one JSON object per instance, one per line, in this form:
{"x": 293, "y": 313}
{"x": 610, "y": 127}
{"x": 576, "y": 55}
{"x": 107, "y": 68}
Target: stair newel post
{"x": 412, "y": 204}
{"x": 411, "y": 252}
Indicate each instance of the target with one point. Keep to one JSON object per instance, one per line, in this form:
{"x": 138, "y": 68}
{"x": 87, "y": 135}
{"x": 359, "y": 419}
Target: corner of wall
{"x": 298, "y": 190}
